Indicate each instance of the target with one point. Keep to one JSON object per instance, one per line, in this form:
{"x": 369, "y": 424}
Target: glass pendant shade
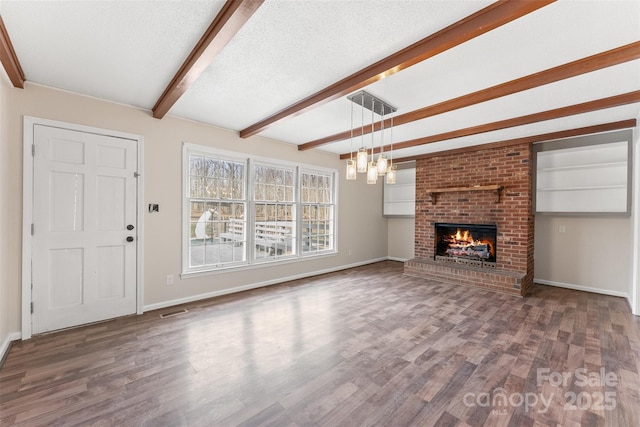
{"x": 381, "y": 165}
{"x": 351, "y": 170}
{"x": 391, "y": 174}
{"x": 361, "y": 160}
{"x": 372, "y": 173}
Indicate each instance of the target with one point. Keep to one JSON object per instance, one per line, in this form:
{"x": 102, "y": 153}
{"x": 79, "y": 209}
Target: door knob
{"x": 130, "y": 227}
{"x": 129, "y": 238}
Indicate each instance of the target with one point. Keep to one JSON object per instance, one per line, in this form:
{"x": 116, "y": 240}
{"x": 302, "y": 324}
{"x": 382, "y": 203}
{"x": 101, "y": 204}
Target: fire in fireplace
{"x": 472, "y": 244}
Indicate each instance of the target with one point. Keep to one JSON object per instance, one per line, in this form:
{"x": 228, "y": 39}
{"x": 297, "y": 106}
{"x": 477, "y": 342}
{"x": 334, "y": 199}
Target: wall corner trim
{"x": 6, "y": 344}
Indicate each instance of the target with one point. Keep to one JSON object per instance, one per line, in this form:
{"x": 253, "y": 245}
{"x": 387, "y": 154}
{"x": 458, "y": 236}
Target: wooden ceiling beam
{"x": 585, "y": 107}
{"x": 481, "y": 22}
{"x": 599, "y": 61}
{"x": 233, "y": 15}
{"x": 9, "y": 58}
{"x": 588, "y": 130}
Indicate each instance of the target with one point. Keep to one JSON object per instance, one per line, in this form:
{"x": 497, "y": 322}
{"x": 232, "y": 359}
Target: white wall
{"x": 593, "y": 254}
{"x": 9, "y": 214}
{"x": 401, "y": 238}
{"x": 162, "y": 177}
{"x": 635, "y": 217}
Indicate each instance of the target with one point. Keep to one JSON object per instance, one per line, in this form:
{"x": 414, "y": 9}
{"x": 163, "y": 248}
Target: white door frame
{"x": 27, "y": 209}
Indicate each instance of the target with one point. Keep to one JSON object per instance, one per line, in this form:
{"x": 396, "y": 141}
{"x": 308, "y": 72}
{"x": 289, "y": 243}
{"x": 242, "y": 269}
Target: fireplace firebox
{"x": 470, "y": 244}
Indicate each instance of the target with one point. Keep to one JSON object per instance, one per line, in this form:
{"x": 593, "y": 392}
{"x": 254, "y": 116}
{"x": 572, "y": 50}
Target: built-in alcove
{"x": 587, "y": 175}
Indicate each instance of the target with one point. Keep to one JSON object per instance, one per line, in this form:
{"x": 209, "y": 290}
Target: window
{"x": 317, "y": 212}
{"x": 239, "y": 211}
{"x": 217, "y": 206}
{"x": 274, "y": 211}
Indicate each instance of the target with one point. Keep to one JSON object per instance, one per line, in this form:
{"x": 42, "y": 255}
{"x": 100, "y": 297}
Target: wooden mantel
{"x": 433, "y": 192}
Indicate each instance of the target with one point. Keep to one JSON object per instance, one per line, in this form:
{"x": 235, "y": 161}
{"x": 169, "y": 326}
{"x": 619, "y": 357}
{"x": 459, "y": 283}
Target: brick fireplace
{"x": 490, "y": 187}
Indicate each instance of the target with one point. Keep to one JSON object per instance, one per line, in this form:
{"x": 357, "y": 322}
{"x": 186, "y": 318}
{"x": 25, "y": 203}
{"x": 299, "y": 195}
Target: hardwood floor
{"x": 365, "y": 346}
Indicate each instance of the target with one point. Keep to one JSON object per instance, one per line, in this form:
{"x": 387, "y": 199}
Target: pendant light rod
{"x": 373, "y": 107}
{"x": 351, "y": 139}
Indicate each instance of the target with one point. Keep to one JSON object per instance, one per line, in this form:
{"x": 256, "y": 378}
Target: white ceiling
{"x": 128, "y": 52}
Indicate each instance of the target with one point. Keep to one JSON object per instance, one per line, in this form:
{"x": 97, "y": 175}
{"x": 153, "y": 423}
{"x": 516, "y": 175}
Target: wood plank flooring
{"x": 366, "y": 346}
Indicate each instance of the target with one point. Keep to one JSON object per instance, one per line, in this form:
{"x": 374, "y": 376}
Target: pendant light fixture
{"x": 361, "y": 157}
{"x": 373, "y": 168}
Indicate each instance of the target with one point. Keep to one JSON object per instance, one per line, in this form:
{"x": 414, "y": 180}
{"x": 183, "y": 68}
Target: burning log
{"x": 462, "y": 244}
{"x": 479, "y": 251}
{"x": 473, "y": 246}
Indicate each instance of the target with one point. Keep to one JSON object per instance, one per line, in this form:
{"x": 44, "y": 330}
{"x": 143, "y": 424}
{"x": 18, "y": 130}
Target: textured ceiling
{"x": 128, "y": 52}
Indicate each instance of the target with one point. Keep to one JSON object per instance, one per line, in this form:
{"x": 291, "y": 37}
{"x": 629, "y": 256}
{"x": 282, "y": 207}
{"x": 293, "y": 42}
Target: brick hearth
{"x": 509, "y": 167}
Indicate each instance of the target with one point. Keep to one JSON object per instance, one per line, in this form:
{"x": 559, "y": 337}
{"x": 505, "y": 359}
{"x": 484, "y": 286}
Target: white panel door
{"x": 84, "y": 240}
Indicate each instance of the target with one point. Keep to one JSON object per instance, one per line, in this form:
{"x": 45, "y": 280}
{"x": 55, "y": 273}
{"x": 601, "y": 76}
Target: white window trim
{"x": 249, "y": 161}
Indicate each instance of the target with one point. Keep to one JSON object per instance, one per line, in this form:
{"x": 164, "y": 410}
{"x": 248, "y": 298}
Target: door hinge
{"x": 33, "y": 150}
{"x": 31, "y": 307}
{"x": 33, "y": 227}
{"x": 136, "y": 174}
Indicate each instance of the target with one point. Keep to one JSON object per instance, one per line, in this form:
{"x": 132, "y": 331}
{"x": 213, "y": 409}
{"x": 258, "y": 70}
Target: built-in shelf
{"x": 433, "y": 192}
{"x": 399, "y": 199}
{"x": 584, "y": 175}
{"x": 583, "y": 166}
{"x": 594, "y": 187}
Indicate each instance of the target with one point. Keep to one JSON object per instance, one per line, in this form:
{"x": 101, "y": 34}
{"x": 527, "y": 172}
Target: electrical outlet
{"x": 562, "y": 229}
{"x": 170, "y": 279}
{"x": 349, "y": 252}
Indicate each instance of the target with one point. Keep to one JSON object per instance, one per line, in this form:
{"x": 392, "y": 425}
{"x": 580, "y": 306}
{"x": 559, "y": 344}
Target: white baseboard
{"x": 583, "y": 288}
{"x": 250, "y": 286}
{"x": 394, "y": 258}
{"x": 12, "y": 336}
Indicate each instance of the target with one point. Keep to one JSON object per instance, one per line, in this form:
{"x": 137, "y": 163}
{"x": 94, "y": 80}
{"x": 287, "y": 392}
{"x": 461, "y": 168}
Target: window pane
{"x": 194, "y": 164}
{"x": 261, "y": 213}
{"x": 217, "y": 225}
{"x": 225, "y": 170}
{"x": 238, "y": 211}
{"x": 270, "y": 192}
{"x": 196, "y": 186}
{"x": 226, "y": 189}
{"x": 210, "y": 188}
{"x": 238, "y": 181}
{"x": 271, "y": 213}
